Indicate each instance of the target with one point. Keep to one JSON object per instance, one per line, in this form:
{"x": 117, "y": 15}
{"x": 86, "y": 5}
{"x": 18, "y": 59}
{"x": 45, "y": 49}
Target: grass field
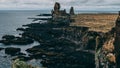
{"x": 95, "y": 22}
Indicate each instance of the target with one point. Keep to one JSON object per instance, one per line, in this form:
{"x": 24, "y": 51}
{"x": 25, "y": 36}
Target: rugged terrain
{"x": 70, "y": 41}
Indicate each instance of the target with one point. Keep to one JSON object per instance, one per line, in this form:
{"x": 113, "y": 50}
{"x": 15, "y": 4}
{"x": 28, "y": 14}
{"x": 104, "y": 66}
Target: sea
{"x": 10, "y": 20}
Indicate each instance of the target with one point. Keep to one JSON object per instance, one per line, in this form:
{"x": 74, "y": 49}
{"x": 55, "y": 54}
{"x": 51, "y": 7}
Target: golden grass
{"x": 95, "y": 22}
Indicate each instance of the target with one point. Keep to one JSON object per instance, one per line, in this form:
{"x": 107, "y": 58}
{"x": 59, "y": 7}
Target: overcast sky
{"x": 113, "y": 5}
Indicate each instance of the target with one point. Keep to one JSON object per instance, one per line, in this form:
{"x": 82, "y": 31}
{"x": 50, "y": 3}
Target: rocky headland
{"x": 65, "y": 44}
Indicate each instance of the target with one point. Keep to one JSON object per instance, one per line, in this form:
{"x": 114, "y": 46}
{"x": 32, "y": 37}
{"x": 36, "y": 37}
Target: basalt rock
{"x": 117, "y": 41}
{"x": 59, "y": 15}
{"x": 72, "y": 11}
{"x": 10, "y": 39}
{"x": 12, "y": 51}
{"x": 57, "y": 7}
{"x": 1, "y": 49}
{"x": 24, "y": 58}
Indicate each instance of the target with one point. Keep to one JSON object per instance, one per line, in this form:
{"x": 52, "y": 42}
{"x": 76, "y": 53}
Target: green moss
{"x": 21, "y": 64}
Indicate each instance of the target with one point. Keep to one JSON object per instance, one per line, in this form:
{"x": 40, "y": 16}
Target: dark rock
{"x": 72, "y": 11}
{"x": 6, "y": 42}
{"x": 24, "y": 58}
{"x": 22, "y": 41}
{"x": 59, "y": 15}
{"x": 1, "y": 48}
{"x": 34, "y": 50}
{"x": 8, "y": 37}
{"x": 20, "y": 29}
{"x": 75, "y": 59}
{"x": 44, "y": 15}
{"x": 12, "y": 51}
{"x": 20, "y": 53}
{"x": 117, "y": 41}
{"x": 57, "y": 6}
{"x": 119, "y": 13}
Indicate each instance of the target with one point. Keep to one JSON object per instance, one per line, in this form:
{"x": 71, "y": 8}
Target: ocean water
{"x": 10, "y": 20}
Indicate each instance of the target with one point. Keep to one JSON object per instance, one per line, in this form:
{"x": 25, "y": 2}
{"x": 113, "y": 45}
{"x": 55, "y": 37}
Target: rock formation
{"x": 56, "y": 8}
{"x": 72, "y": 11}
{"x": 12, "y": 50}
{"x": 117, "y": 41}
{"x": 61, "y": 15}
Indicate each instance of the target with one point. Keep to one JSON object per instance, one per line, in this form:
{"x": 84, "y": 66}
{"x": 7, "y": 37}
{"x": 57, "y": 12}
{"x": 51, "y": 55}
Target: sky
{"x": 102, "y": 5}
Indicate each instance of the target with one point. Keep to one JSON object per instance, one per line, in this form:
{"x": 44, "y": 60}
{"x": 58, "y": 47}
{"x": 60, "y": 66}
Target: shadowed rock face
{"x": 72, "y": 11}
{"x": 117, "y": 41}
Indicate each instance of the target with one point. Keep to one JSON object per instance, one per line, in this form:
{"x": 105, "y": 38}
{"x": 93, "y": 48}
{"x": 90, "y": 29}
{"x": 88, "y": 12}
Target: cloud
{"x": 48, "y": 4}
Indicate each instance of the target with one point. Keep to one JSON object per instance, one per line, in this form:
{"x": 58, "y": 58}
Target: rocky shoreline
{"x": 61, "y": 45}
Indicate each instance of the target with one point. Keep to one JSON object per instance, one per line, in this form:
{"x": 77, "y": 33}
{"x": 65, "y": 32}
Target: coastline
{"x": 50, "y": 35}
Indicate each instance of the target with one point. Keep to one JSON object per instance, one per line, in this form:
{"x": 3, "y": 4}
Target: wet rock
{"x": 12, "y": 51}
{"x": 20, "y": 54}
{"x": 8, "y": 39}
{"x": 33, "y": 50}
{"x": 22, "y": 41}
{"x": 24, "y": 58}
{"x": 1, "y": 48}
{"x": 20, "y": 29}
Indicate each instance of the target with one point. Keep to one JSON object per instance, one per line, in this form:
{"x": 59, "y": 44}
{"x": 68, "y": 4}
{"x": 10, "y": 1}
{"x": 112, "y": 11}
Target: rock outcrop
{"x": 11, "y": 39}
{"x": 56, "y": 8}
{"x": 72, "y": 11}
{"x": 61, "y": 15}
{"x": 117, "y": 41}
{"x": 12, "y": 50}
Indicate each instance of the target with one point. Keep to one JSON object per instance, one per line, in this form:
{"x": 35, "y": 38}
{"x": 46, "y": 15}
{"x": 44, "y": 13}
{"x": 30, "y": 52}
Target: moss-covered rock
{"x": 21, "y": 64}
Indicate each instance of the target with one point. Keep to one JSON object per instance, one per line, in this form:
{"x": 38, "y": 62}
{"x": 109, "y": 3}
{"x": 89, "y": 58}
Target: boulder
{"x": 8, "y": 37}
{"x": 1, "y": 48}
{"x": 12, "y": 51}
{"x": 20, "y": 29}
{"x": 24, "y": 58}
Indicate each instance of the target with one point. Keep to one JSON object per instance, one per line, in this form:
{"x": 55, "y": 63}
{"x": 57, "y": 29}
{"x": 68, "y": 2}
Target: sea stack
{"x": 56, "y": 8}
{"x": 72, "y": 11}
{"x": 117, "y": 41}
{"x": 59, "y": 15}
